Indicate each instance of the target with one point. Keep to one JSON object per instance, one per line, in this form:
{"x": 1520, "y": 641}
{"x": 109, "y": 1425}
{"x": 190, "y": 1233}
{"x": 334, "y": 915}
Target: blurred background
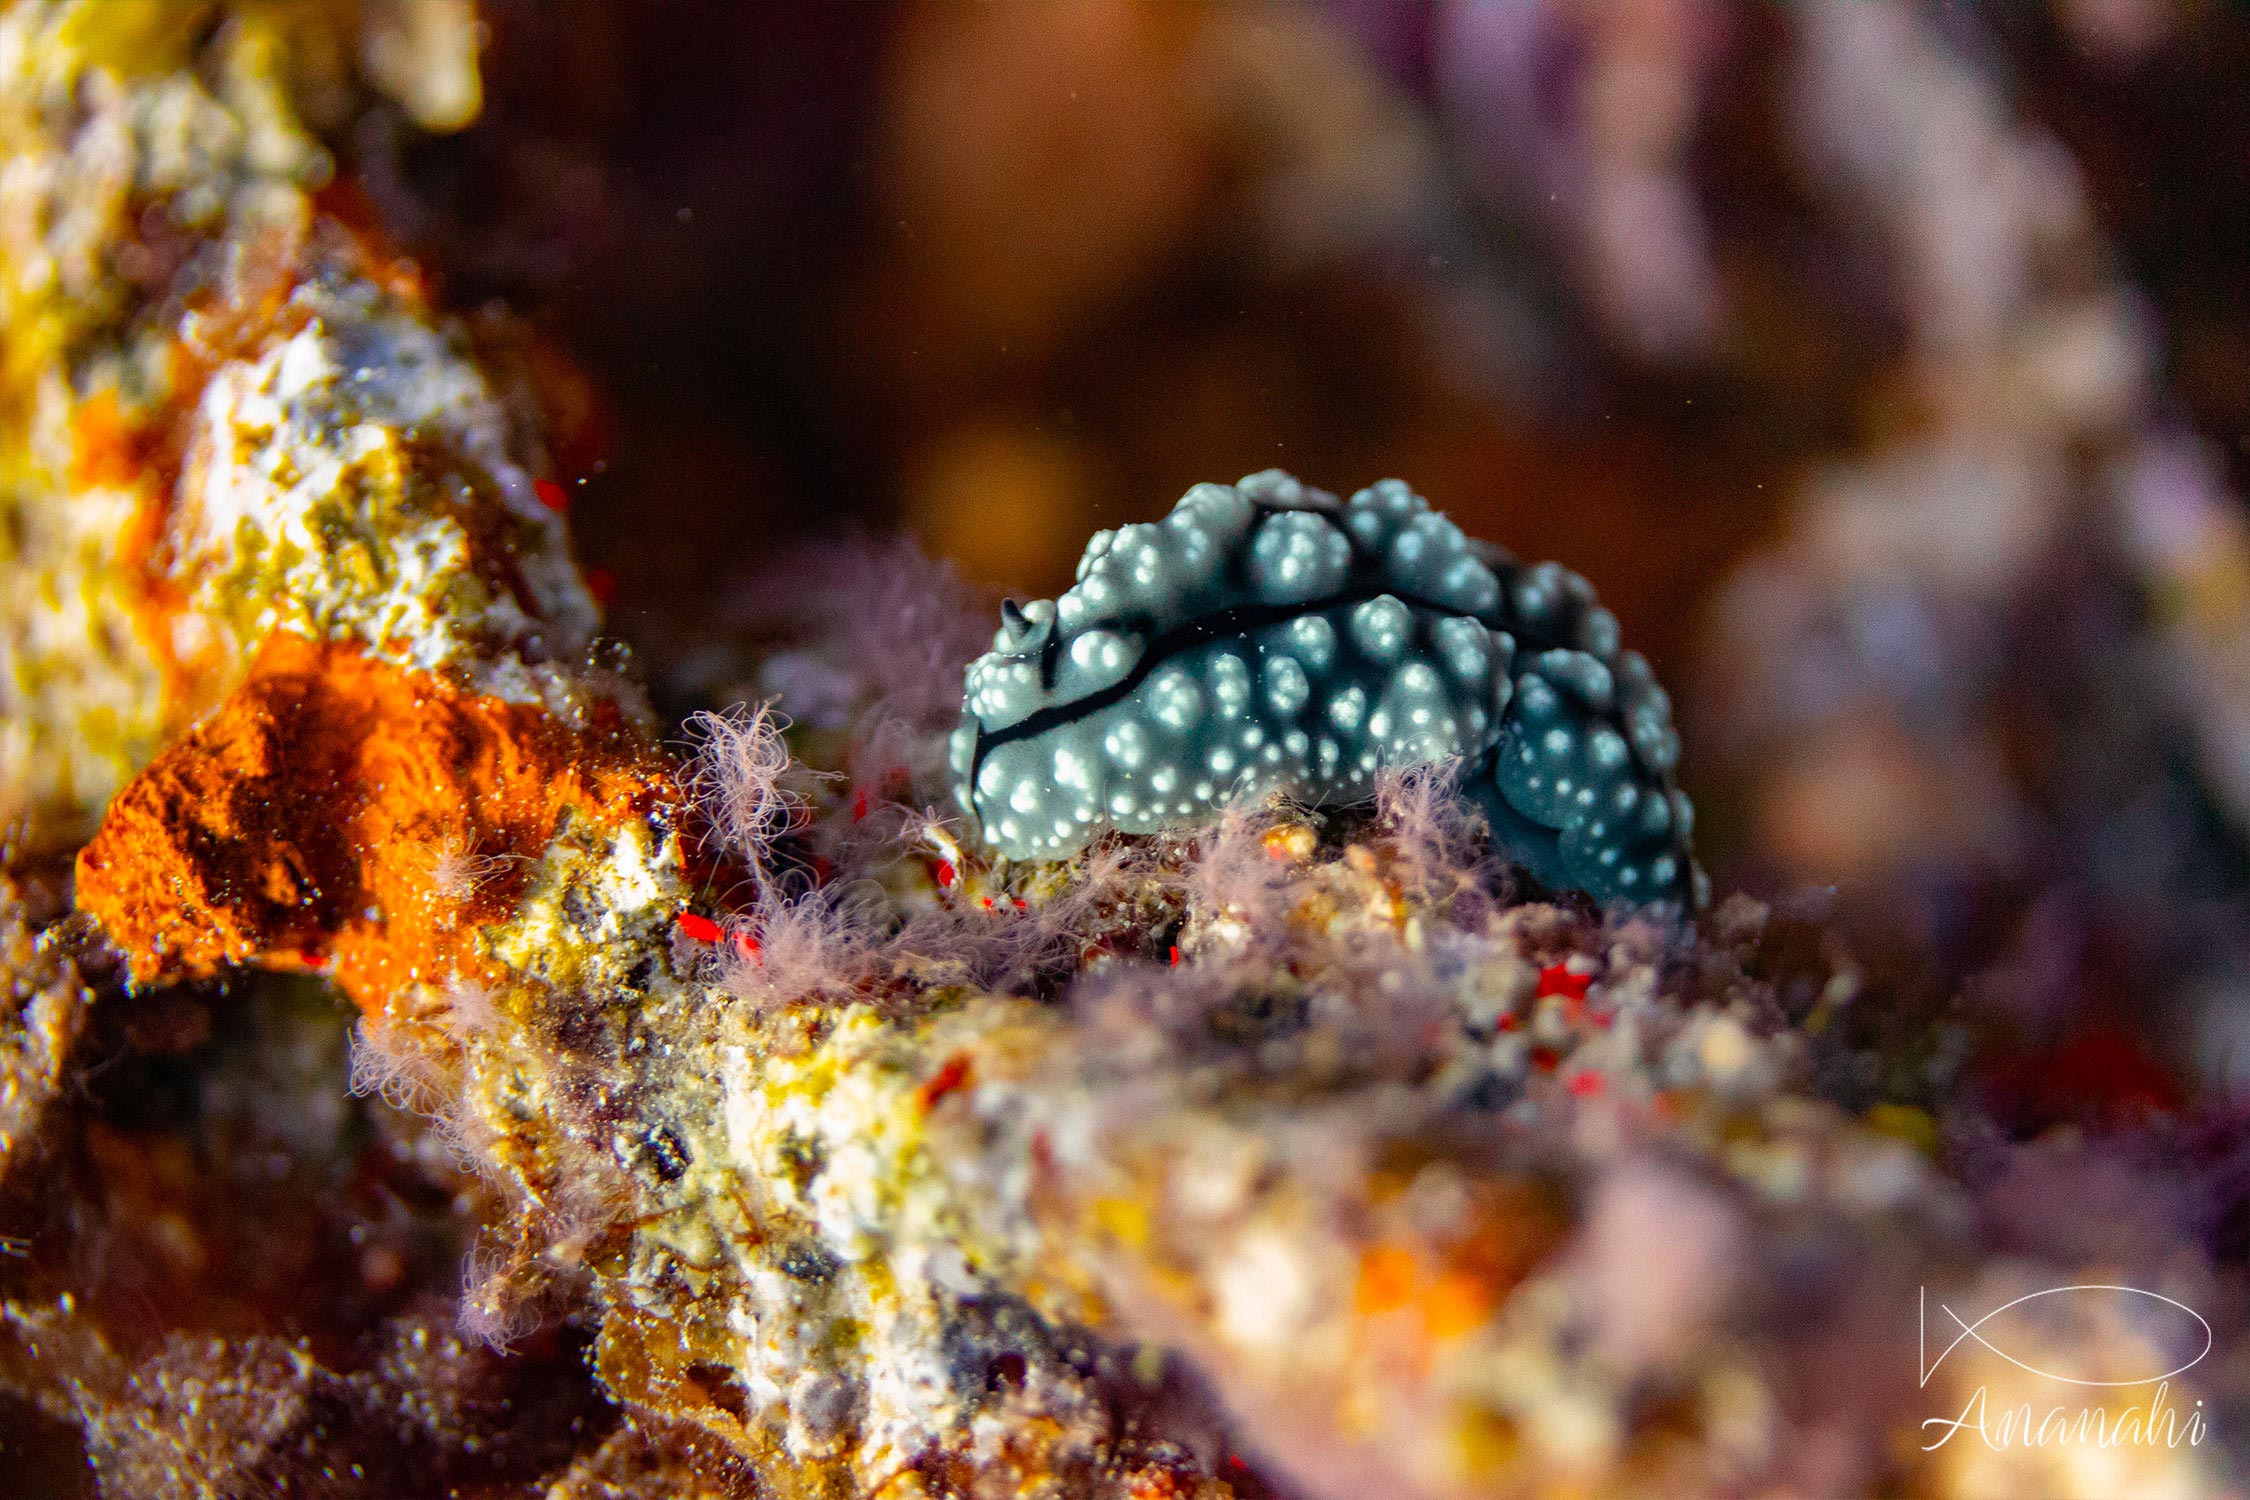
{"x": 1885, "y": 366}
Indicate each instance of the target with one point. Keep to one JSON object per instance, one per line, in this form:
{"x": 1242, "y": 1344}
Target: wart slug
{"x": 1265, "y": 637}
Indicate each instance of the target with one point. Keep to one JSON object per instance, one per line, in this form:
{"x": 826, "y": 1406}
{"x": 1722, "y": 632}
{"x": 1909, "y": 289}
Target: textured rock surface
{"x": 1264, "y": 637}
{"x": 222, "y": 409}
{"x": 43, "y": 1004}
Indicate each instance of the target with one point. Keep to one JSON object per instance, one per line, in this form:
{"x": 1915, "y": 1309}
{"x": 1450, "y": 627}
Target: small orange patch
{"x": 107, "y": 450}
{"x": 1457, "y": 1303}
{"x": 1155, "y": 1484}
{"x": 1387, "y": 1275}
{"x": 298, "y": 825}
{"x": 1290, "y": 844}
{"x": 1454, "y": 1301}
{"x": 951, "y": 1077}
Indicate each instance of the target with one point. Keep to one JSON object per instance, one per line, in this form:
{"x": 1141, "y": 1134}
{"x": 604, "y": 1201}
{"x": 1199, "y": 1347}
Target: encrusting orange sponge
{"x": 300, "y": 825}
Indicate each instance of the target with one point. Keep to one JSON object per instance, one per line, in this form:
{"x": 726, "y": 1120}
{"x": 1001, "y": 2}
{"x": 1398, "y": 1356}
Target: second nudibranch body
{"x": 1265, "y": 637}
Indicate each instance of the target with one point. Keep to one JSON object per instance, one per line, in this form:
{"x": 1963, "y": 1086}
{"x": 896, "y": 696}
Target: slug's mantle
{"x": 1265, "y": 638}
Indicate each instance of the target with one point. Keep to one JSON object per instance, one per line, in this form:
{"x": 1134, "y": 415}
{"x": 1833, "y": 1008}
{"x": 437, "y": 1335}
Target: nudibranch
{"x": 1265, "y": 637}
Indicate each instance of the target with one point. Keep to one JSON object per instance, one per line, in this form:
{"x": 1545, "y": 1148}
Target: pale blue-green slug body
{"x": 1264, "y": 637}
